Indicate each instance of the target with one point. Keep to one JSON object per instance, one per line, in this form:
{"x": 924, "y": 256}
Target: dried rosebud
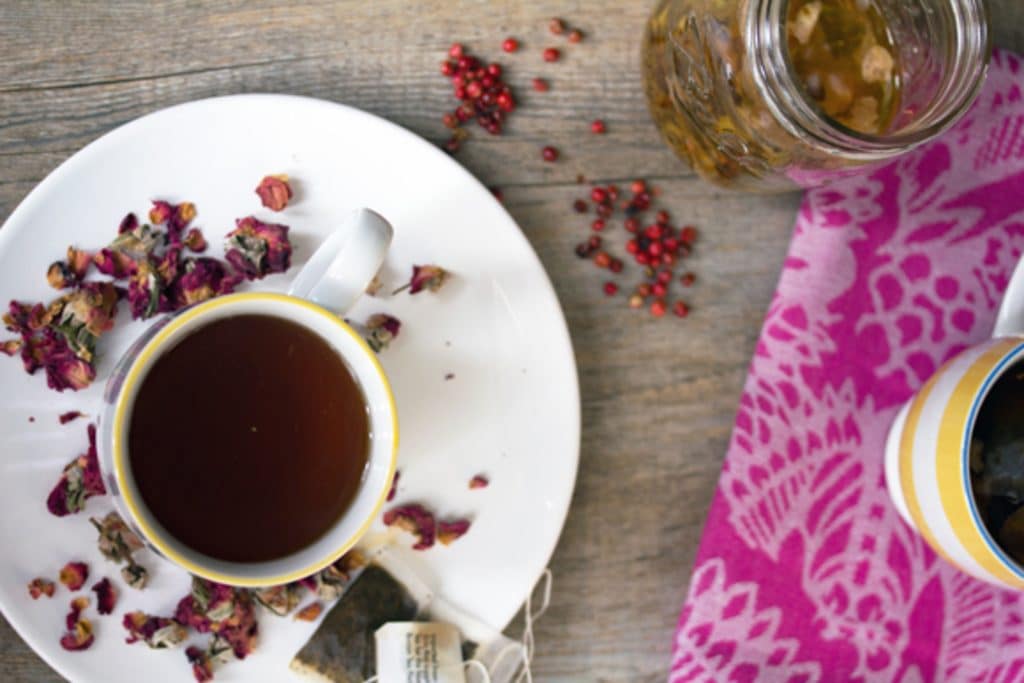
{"x": 68, "y": 273}
{"x": 202, "y": 279}
{"x": 194, "y": 240}
{"x": 157, "y": 632}
{"x": 416, "y": 520}
{"x": 202, "y": 666}
{"x": 77, "y": 605}
{"x": 135, "y": 575}
{"x": 74, "y": 574}
{"x": 11, "y": 346}
{"x": 394, "y": 486}
{"x": 80, "y": 637}
{"x": 161, "y": 212}
{"x": 131, "y": 247}
{"x": 40, "y": 586}
{"x": 145, "y": 292}
{"x": 128, "y": 223}
{"x": 59, "y": 276}
{"x": 64, "y": 418}
{"x": 84, "y": 315}
{"x": 177, "y": 217}
{"x": 116, "y": 542}
{"x": 428, "y": 277}
{"x": 257, "y": 249}
{"x": 382, "y": 329}
{"x": 330, "y": 583}
{"x": 447, "y": 532}
{"x": 280, "y": 600}
{"x": 479, "y": 481}
{"x": 274, "y": 192}
{"x": 79, "y": 481}
{"x": 49, "y": 350}
{"x": 310, "y": 612}
{"x": 106, "y": 596}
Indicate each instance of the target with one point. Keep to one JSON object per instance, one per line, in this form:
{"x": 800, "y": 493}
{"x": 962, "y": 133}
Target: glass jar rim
{"x": 765, "y": 33}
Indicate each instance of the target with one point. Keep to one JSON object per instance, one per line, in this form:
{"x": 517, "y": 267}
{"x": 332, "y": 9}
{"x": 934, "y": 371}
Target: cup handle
{"x": 342, "y": 268}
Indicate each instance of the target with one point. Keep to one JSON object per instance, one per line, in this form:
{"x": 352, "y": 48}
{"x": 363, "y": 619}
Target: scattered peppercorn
{"x": 575, "y": 36}
{"x": 611, "y": 289}
{"x": 658, "y": 308}
{"x": 680, "y": 309}
{"x": 597, "y": 126}
{"x": 579, "y": 206}
{"x": 510, "y": 45}
{"x": 549, "y": 153}
{"x": 551, "y": 54}
{"x": 556, "y": 26}
{"x": 540, "y": 85}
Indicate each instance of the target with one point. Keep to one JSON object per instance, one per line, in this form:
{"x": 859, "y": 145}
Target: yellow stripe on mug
{"x": 927, "y": 462}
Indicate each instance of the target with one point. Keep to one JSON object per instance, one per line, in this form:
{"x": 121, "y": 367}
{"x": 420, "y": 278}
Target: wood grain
{"x": 658, "y": 396}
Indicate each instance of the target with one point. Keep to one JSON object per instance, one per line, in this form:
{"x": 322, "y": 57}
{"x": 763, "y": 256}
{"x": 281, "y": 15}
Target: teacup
{"x": 329, "y": 284}
{"x": 928, "y": 458}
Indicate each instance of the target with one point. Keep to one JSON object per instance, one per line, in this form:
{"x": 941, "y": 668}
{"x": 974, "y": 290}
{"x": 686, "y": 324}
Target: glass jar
{"x": 723, "y": 91}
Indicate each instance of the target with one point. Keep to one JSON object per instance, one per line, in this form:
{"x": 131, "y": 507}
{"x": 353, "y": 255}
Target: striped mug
{"x": 927, "y": 461}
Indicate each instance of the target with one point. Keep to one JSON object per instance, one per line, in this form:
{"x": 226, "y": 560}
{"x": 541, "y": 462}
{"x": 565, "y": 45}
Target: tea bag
{"x": 342, "y": 648}
{"x": 370, "y": 628}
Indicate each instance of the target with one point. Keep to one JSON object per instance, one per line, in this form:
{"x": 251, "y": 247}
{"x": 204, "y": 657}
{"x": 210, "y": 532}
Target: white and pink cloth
{"x": 806, "y": 572}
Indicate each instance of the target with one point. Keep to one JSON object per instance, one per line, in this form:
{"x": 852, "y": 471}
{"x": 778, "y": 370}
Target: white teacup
{"x": 329, "y": 284}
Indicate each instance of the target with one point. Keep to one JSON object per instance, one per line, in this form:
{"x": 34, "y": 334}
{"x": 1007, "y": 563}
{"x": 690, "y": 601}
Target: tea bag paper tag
{"x": 419, "y": 652}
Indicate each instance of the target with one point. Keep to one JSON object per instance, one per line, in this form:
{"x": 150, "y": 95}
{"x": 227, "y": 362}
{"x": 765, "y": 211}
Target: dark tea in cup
{"x": 249, "y": 438}
{"x": 997, "y": 462}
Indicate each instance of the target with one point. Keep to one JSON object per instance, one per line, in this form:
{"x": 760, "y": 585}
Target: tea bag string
{"x": 530, "y": 617}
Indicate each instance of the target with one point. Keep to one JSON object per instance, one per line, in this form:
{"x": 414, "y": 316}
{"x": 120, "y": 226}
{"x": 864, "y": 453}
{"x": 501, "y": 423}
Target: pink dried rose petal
{"x": 394, "y": 486}
{"x": 74, "y": 574}
{"x": 429, "y": 277}
{"x": 310, "y": 612}
{"x": 416, "y": 520}
{"x": 382, "y": 329}
{"x": 106, "y": 596}
{"x": 157, "y": 632}
{"x": 447, "y": 532}
{"x": 195, "y": 241}
{"x": 479, "y": 481}
{"x": 64, "y": 418}
{"x": 122, "y": 257}
{"x": 274, "y": 192}
{"x": 72, "y": 617}
{"x": 78, "y": 637}
{"x": 80, "y": 480}
{"x": 256, "y": 249}
{"x": 40, "y": 586}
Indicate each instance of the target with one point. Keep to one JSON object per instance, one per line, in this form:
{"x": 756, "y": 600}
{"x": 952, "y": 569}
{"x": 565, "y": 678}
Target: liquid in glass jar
{"x": 769, "y": 95}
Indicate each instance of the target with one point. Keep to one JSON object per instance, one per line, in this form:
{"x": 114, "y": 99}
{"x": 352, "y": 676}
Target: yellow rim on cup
{"x": 120, "y": 451}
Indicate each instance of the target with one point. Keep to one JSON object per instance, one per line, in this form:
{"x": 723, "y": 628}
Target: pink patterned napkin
{"x": 805, "y": 571}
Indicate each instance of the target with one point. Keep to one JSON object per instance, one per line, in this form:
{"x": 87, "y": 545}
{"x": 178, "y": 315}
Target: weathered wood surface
{"x": 658, "y": 396}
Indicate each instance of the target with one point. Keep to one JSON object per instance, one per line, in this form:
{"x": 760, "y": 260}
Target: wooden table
{"x": 658, "y": 395}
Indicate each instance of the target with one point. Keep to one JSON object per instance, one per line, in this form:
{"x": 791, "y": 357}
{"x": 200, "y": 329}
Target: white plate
{"x": 511, "y": 411}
